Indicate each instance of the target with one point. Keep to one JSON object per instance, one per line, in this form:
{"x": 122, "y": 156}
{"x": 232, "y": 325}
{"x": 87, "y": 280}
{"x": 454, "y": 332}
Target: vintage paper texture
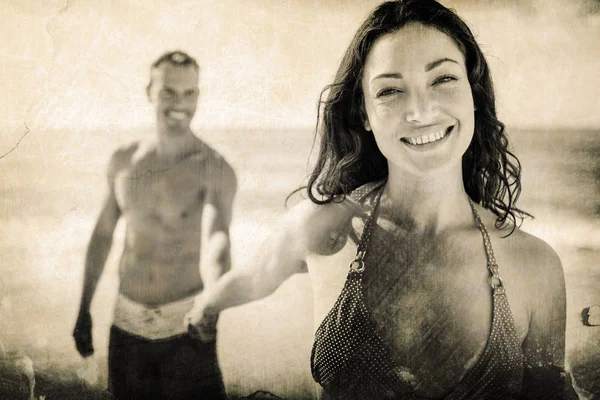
{"x": 72, "y": 79}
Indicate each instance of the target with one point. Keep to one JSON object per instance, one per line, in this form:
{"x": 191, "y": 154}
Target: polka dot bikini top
{"x": 350, "y": 361}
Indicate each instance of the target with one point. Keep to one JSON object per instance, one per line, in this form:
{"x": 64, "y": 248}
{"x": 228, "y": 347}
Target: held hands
{"x": 200, "y": 322}
{"x": 83, "y": 334}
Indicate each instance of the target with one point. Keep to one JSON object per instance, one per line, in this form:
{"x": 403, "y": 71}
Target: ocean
{"x": 51, "y": 190}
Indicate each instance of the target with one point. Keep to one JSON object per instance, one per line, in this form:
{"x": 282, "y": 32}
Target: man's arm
{"x": 544, "y": 346}
{"x": 98, "y": 249}
{"x": 216, "y": 219}
{"x": 97, "y": 253}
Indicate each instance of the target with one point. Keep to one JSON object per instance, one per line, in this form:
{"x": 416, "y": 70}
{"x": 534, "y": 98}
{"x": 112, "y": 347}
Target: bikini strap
{"x": 492, "y": 266}
{"x": 360, "y": 193}
{"x": 358, "y": 265}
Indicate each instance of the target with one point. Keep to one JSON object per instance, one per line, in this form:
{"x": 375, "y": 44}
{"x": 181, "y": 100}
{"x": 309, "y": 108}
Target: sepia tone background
{"x": 72, "y": 79}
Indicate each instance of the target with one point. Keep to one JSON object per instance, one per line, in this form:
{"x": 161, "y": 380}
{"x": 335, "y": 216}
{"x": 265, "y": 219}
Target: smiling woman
{"x": 426, "y": 98}
{"x": 415, "y": 190}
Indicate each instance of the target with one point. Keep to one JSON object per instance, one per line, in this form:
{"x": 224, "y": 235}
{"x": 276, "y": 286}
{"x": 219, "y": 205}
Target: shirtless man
{"x": 176, "y": 195}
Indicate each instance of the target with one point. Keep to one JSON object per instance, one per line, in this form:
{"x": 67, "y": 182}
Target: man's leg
{"x": 132, "y": 373}
{"x": 190, "y": 370}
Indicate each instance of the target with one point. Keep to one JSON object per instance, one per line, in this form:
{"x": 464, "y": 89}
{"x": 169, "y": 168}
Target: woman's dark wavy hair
{"x": 348, "y": 155}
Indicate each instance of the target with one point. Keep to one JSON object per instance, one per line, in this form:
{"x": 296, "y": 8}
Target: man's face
{"x": 174, "y": 94}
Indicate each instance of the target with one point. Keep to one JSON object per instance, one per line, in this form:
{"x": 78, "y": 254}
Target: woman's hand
{"x": 200, "y": 322}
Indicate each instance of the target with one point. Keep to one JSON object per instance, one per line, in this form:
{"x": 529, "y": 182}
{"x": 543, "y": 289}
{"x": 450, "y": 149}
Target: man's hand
{"x": 200, "y": 323}
{"x": 83, "y": 334}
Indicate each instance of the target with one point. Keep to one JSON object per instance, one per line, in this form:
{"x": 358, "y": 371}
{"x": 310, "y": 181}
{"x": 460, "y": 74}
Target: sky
{"x": 78, "y": 67}
{"x": 83, "y": 65}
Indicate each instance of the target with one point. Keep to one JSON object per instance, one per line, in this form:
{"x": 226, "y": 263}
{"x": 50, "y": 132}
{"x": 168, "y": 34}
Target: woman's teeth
{"x": 432, "y": 137}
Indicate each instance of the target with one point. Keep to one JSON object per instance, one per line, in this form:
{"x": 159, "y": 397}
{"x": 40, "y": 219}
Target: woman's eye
{"x": 387, "y": 92}
{"x": 445, "y": 79}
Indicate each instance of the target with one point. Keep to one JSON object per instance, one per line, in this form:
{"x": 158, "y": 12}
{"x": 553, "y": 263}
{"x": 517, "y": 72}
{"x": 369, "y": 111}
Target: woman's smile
{"x": 428, "y": 141}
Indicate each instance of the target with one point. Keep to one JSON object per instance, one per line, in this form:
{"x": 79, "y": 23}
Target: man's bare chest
{"x": 173, "y": 193}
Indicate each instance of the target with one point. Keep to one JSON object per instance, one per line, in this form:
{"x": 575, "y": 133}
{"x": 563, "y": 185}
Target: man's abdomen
{"x": 154, "y": 281}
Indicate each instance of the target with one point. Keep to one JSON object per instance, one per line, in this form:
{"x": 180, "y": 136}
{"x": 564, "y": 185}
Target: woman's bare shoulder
{"x": 533, "y": 261}
{"x": 541, "y": 265}
{"x": 536, "y": 249}
{"x": 537, "y": 253}
{"x": 324, "y": 228}
{"x": 535, "y": 266}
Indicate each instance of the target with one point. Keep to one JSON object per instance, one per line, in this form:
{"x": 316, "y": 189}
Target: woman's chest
{"x": 433, "y": 320}
{"x": 429, "y": 301}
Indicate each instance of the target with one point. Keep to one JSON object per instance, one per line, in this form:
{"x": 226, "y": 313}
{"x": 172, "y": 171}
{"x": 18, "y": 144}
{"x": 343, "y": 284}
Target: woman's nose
{"x": 420, "y": 108}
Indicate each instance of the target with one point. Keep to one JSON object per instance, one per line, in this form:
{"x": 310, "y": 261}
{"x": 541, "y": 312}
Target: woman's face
{"x": 418, "y": 100}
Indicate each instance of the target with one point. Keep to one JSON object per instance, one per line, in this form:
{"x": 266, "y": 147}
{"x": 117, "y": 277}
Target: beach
{"x": 52, "y": 186}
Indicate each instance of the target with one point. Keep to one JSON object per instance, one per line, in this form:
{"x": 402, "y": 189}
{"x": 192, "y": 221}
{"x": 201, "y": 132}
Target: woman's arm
{"x": 544, "y": 346}
{"x": 282, "y": 255}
